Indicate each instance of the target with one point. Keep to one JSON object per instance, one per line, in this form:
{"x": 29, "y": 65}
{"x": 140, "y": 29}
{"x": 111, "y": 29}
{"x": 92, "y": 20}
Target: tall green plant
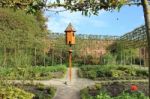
{"x": 20, "y": 33}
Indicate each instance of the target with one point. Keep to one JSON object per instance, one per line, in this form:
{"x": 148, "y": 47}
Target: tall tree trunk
{"x": 146, "y": 10}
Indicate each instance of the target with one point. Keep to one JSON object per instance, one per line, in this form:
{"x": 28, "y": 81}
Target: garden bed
{"x": 26, "y": 91}
{"x": 112, "y": 72}
{"x": 116, "y": 90}
{"x": 33, "y": 72}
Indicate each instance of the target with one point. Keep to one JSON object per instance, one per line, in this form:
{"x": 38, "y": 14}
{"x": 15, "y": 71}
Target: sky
{"x": 106, "y": 23}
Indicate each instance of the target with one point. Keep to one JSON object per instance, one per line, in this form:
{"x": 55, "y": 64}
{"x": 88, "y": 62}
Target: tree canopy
{"x": 87, "y": 7}
{"x": 18, "y": 29}
{"x": 20, "y": 33}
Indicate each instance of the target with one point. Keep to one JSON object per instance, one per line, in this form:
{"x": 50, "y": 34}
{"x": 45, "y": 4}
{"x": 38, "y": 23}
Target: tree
{"x": 19, "y": 33}
{"x": 146, "y": 10}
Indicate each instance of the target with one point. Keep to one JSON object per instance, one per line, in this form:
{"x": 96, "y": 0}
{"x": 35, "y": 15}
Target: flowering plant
{"x": 134, "y": 88}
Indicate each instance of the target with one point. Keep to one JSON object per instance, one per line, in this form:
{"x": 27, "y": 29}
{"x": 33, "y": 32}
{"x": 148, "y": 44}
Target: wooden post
{"x": 70, "y": 64}
{"x": 70, "y": 40}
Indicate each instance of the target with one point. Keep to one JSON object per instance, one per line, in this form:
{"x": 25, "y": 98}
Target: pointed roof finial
{"x": 70, "y": 28}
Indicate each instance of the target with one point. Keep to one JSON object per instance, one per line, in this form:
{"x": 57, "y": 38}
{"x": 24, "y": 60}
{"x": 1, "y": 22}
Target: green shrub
{"x": 117, "y": 73}
{"x": 103, "y": 95}
{"x": 112, "y": 72}
{"x": 51, "y": 91}
{"x": 103, "y": 73}
{"x": 40, "y": 86}
{"x": 142, "y": 73}
{"x": 133, "y": 95}
{"x": 108, "y": 59}
{"x": 128, "y": 70}
{"x": 122, "y": 68}
{"x": 124, "y": 95}
{"x": 39, "y": 90}
{"x": 45, "y": 92}
{"x": 14, "y": 93}
{"x": 80, "y": 73}
{"x": 29, "y": 72}
{"x": 84, "y": 94}
{"x": 91, "y": 74}
{"x": 98, "y": 86}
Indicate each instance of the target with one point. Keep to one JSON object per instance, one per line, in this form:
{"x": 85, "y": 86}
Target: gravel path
{"x": 71, "y": 90}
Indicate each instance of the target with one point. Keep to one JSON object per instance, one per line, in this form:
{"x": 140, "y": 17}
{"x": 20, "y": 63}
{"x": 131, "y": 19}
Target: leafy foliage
{"x": 115, "y": 91}
{"x": 20, "y": 35}
{"x": 44, "y": 92}
{"x": 108, "y": 58}
{"x": 112, "y": 72}
{"x": 124, "y": 95}
{"x": 87, "y": 7}
{"x": 136, "y": 95}
{"x": 26, "y": 91}
{"x": 14, "y": 93}
{"x": 18, "y": 29}
{"x": 37, "y": 72}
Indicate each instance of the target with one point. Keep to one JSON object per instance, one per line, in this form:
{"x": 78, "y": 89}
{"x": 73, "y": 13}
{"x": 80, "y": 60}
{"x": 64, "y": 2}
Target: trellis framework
{"x": 134, "y": 39}
{"x": 60, "y": 39}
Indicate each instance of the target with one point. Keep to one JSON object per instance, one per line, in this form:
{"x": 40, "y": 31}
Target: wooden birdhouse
{"x": 70, "y": 36}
